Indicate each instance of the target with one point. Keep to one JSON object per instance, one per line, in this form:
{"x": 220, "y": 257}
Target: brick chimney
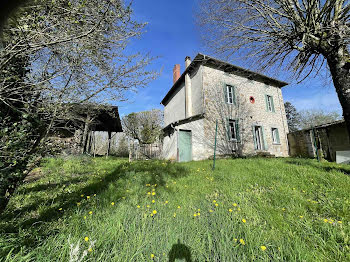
{"x": 176, "y": 73}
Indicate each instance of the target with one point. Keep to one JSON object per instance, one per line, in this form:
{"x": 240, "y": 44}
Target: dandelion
{"x": 87, "y": 197}
{"x": 148, "y": 193}
{"x": 123, "y": 197}
{"x": 94, "y": 195}
{"x": 148, "y": 185}
{"x": 230, "y": 210}
{"x": 235, "y": 240}
{"x": 148, "y": 206}
{"x": 214, "y": 201}
{"x": 238, "y": 209}
{"x": 112, "y": 203}
{"x": 138, "y": 206}
{"x": 242, "y": 241}
{"x": 82, "y": 195}
{"x": 60, "y": 209}
{"x": 153, "y": 201}
{"x": 90, "y": 213}
{"x": 210, "y": 210}
{"x": 199, "y": 210}
{"x": 244, "y": 221}
{"x": 178, "y": 207}
{"x": 90, "y": 249}
{"x": 153, "y": 193}
{"x": 198, "y": 214}
{"x": 86, "y": 239}
{"x": 325, "y": 220}
{"x": 166, "y": 202}
{"x": 194, "y": 214}
{"x": 78, "y": 204}
{"x": 263, "y": 248}
{"x": 234, "y": 204}
{"x": 153, "y": 190}
{"x": 152, "y": 256}
{"x": 283, "y": 209}
{"x": 84, "y": 217}
{"x": 340, "y": 222}
{"x": 216, "y": 204}
{"x": 174, "y": 214}
{"x": 301, "y": 216}
{"x": 154, "y": 212}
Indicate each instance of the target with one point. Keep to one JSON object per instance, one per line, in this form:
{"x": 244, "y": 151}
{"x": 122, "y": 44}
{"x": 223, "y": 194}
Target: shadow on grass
{"x": 37, "y": 228}
{"x": 323, "y": 166}
{"x": 180, "y": 251}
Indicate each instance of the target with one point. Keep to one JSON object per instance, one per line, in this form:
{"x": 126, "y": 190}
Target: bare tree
{"x": 145, "y": 126}
{"x": 297, "y": 34}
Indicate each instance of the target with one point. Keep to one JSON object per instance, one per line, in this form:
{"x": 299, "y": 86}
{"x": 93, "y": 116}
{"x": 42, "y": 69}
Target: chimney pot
{"x": 176, "y": 73}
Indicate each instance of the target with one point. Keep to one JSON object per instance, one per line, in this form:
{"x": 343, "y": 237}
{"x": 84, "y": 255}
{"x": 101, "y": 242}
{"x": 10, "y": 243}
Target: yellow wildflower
{"x": 60, "y": 209}
{"x": 174, "y": 214}
{"x": 112, "y": 203}
{"x": 325, "y": 220}
{"x": 198, "y": 214}
{"x": 154, "y": 211}
{"x": 148, "y": 185}
{"x": 123, "y": 197}
{"x": 94, "y": 194}
{"x": 86, "y": 239}
{"x": 138, "y": 206}
{"x": 153, "y": 190}
{"x": 87, "y": 197}
{"x": 216, "y": 204}
{"x": 263, "y": 248}
{"x": 90, "y": 213}
{"x": 340, "y": 222}
{"x": 84, "y": 217}
{"x": 153, "y": 201}
{"x": 242, "y": 241}
{"x": 178, "y": 207}
{"x": 90, "y": 249}
{"x": 78, "y": 204}
{"x": 82, "y": 195}
{"x": 148, "y": 206}
{"x": 194, "y": 214}
{"x": 166, "y": 202}
{"x": 283, "y": 209}
{"x": 152, "y": 256}
{"x": 301, "y": 216}
{"x": 153, "y": 193}
{"x": 199, "y": 209}
{"x": 244, "y": 221}
{"x": 238, "y": 209}
{"x": 210, "y": 210}
{"x": 235, "y": 240}
{"x": 148, "y": 193}
{"x": 230, "y": 210}
{"x": 234, "y": 204}
{"x": 214, "y": 201}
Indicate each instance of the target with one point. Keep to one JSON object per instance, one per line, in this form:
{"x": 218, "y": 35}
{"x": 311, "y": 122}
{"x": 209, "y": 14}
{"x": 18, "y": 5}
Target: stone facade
{"x": 208, "y": 105}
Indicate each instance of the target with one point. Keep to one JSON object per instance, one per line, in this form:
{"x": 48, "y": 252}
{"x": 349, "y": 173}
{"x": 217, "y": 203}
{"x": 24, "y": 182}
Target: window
{"x": 232, "y": 129}
{"x": 269, "y": 104}
{"x": 230, "y": 95}
{"x": 275, "y": 136}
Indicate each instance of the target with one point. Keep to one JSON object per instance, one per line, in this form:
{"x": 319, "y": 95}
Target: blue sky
{"x": 171, "y": 35}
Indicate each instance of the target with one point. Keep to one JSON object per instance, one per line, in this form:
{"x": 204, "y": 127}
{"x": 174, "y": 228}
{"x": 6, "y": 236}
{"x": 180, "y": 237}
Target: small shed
{"x": 327, "y": 139}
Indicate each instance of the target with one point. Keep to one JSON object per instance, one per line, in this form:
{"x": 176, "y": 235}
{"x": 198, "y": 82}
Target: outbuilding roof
{"x": 202, "y": 59}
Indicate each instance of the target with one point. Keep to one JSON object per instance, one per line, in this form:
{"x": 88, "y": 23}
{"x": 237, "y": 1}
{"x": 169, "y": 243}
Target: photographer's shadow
{"x": 180, "y": 251}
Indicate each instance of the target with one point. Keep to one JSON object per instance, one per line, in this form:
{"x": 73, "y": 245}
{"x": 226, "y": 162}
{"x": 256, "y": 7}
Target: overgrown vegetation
{"x": 247, "y": 209}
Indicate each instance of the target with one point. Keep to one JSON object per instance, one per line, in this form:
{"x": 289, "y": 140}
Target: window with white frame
{"x": 275, "y": 136}
{"x": 230, "y": 94}
{"x": 232, "y": 129}
{"x": 269, "y": 103}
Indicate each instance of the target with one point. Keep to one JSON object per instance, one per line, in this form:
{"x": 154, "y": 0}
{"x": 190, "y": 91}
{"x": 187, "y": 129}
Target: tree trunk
{"x": 341, "y": 79}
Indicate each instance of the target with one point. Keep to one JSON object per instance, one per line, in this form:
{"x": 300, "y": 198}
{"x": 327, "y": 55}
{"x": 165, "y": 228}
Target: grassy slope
{"x": 284, "y": 201}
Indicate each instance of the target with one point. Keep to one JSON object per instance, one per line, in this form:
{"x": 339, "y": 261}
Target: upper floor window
{"x": 230, "y": 94}
{"x": 269, "y": 103}
{"x": 275, "y": 136}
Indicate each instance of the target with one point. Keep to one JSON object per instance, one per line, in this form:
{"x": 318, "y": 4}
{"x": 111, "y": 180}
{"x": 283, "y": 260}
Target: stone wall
{"x": 248, "y": 114}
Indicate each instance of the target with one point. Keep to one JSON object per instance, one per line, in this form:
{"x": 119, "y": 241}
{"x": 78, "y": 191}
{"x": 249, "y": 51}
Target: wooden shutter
{"x": 237, "y": 132}
{"x": 253, "y": 129}
{"x": 228, "y": 131}
{"x": 264, "y": 138}
{"x": 277, "y": 136}
{"x": 267, "y": 103}
{"x": 224, "y": 88}
{"x": 234, "y": 95}
{"x": 272, "y": 104}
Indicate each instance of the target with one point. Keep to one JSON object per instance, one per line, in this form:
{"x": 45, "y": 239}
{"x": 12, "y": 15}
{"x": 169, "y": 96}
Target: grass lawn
{"x": 247, "y": 209}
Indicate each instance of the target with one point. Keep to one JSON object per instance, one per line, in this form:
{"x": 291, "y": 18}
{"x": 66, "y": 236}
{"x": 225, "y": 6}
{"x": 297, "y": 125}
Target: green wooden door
{"x": 185, "y": 146}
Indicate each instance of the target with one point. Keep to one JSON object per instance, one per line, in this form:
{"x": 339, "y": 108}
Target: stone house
{"x": 247, "y": 107}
